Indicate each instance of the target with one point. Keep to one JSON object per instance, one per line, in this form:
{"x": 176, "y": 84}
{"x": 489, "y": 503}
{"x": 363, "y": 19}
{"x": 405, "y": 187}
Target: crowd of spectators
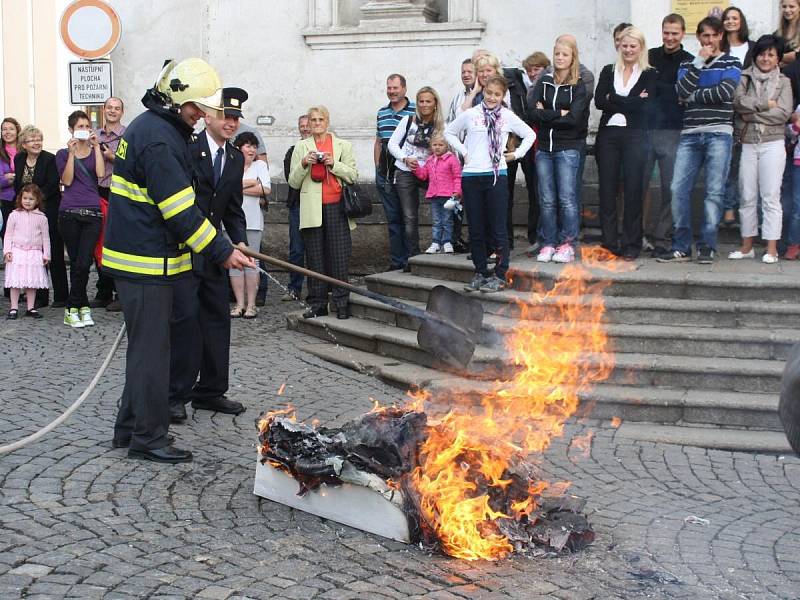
{"x": 731, "y": 112}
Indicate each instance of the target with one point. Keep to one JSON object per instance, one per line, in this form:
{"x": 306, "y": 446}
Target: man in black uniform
{"x": 201, "y": 322}
{"x": 153, "y": 227}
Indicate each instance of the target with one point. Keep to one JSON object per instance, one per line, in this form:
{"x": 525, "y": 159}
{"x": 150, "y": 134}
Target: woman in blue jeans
{"x": 557, "y": 106}
{"x": 484, "y": 181}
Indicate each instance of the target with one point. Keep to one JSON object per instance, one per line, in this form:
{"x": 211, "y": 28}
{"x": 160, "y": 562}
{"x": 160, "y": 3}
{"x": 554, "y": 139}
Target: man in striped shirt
{"x": 388, "y": 117}
{"x": 706, "y": 85}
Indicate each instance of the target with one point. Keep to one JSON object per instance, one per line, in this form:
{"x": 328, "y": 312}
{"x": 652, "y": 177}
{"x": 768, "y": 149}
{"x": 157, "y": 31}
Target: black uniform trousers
{"x": 144, "y": 408}
{"x": 328, "y": 250}
{"x": 201, "y": 336}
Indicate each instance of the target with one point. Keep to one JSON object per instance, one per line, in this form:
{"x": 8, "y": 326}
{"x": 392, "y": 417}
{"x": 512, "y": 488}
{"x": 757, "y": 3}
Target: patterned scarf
{"x": 491, "y": 117}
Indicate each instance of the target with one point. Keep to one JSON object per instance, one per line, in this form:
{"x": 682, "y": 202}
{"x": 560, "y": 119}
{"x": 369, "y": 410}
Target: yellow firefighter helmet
{"x": 191, "y": 80}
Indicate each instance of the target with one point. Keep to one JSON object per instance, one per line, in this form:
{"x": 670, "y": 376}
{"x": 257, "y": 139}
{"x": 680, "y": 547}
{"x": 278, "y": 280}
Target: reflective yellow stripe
{"x": 202, "y": 237}
{"x": 177, "y": 203}
{"x": 123, "y": 187}
{"x": 146, "y": 265}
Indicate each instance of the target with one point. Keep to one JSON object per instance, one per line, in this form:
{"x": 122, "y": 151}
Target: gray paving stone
{"x": 79, "y": 520}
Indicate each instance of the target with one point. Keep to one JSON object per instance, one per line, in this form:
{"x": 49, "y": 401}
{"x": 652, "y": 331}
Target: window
{"x": 341, "y": 24}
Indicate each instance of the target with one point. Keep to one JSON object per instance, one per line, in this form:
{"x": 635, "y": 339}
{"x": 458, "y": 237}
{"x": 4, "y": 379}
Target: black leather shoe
{"x": 114, "y": 306}
{"x": 177, "y": 414}
{"x": 125, "y": 442}
{"x": 320, "y": 311}
{"x": 167, "y": 454}
{"x": 261, "y": 298}
{"x": 343, "y": 312}
{"x": 220, "y": 404}
{"x": 99, "y": 302}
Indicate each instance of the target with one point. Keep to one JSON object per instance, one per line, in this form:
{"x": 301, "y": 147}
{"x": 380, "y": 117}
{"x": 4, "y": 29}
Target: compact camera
{"x": 320, "y": 156}
{"x": 82, "y": 134}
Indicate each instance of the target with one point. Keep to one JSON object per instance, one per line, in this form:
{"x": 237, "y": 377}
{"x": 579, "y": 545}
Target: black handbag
{"x": 355, "y": 201}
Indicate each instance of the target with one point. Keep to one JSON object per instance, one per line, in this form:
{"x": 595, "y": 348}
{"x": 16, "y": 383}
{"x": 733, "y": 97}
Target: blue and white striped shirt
{"x": 388, "y": 119}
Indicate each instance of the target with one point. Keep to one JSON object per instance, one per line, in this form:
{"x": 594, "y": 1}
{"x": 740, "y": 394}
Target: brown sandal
{"x": 237, "y": 311}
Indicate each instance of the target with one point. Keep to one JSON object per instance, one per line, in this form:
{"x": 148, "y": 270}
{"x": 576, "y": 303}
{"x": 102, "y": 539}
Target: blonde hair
{"x": 437, "y": 118}
{"x": 636, "y": 34}
{"x": 574, "y": 72}
{"x": 29, "y": 131}
{"x": 488, "y": 59}
{"x": 784, "y": 28}
{"x": 320, "y": 110}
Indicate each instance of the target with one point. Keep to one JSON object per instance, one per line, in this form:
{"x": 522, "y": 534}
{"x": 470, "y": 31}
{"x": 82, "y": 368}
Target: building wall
{"x": 259, "y": 46}
{"x": 34, "y": 76}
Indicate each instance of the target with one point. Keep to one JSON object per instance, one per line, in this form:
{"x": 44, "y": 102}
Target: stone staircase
{"x": 699, "y": 350}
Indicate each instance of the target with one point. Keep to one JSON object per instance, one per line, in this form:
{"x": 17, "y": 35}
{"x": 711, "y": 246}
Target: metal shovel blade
{"x": 789, "y": 404}
{"x": 453, "y": 339}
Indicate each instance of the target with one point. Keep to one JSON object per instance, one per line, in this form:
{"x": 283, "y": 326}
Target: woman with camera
{"x": 321, "y": 163}
{"x": 80, "y": 165}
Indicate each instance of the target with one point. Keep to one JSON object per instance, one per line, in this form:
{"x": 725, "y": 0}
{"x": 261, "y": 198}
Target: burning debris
{"x": 380, "y": 451}
{"x": 464, "y": 482}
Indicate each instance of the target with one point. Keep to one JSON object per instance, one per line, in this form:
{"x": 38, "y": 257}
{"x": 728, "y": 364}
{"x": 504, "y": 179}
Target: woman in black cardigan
{"x": 34, "y": 165}
{"x": 623, "y": 92}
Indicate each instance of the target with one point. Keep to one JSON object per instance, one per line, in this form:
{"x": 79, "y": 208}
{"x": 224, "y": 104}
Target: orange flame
{"x": 467, "y": 452}
{"x": 616, "y": 422}
{"x": 281, "y": 389}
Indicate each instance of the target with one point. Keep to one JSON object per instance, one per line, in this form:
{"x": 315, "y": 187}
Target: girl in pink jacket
{"x": 443, "y": 173}
{"x": 26, "y": 250}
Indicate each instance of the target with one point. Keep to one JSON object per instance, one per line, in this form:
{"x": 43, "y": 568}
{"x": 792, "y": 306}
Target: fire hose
{"x": 75, "y": 405}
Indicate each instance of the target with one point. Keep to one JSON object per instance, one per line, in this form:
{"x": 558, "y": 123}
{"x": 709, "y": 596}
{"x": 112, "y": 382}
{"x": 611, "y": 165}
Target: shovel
{"x": 451, "y": 322}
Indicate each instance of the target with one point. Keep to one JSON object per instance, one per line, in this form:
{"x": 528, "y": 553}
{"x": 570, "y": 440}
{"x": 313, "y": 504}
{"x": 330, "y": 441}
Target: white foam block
{"x": 353, "y": 505}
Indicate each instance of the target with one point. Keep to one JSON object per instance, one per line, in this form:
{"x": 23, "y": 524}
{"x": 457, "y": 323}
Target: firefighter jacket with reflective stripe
{"x": 153, "y": 224}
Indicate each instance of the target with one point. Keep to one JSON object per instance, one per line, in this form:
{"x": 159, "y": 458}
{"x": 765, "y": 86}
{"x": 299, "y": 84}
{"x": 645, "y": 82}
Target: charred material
{"x": 380, "y": 450}
{"x": 383, "y": 443}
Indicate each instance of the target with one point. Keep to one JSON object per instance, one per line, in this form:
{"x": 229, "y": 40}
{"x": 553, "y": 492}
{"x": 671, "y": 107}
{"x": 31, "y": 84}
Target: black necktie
{"x": 218, "y": 165}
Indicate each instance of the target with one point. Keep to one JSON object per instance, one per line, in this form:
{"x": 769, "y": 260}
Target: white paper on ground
{"x": 352, "y": 505}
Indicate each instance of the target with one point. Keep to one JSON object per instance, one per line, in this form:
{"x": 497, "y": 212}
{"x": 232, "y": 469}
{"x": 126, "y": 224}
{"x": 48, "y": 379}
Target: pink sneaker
{"x": 546, "y": 254}
{"x": 564, "y": 254}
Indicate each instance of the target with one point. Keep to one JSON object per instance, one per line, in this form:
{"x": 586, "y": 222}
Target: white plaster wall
{"x": 258, "y": 45}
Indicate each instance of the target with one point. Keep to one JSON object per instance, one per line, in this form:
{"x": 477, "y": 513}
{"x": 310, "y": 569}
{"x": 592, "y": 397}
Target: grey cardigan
{"x": 754, "y": 121}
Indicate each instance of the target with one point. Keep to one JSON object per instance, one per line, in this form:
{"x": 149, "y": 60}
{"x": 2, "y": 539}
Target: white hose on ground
{"x": 89, "y": 389}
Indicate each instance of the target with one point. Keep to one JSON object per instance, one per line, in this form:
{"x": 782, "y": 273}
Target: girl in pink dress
{"x": 26, "y": 248}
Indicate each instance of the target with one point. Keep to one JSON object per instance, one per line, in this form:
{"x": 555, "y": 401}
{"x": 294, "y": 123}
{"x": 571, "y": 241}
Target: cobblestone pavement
{"x": 80, "y": 520}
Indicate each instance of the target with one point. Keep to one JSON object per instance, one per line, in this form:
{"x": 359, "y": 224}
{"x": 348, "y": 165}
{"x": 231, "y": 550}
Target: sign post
{"x": 90, "y": 82}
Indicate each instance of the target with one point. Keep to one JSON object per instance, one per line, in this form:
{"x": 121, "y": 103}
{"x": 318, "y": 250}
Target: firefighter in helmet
{"x": 152, "y": 229}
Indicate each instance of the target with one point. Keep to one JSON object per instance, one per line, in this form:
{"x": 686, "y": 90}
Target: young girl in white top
{"x": 255, "y": 188}
{"x": 484, "y": 180}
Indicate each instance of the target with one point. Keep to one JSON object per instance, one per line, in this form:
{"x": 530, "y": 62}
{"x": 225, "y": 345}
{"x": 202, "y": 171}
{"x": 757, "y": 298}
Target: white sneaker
{"x": 86, "y": 316}
{"x": 564, "y": 254}
{"x": 447, "y": 248}
{"x": 546, "y": 254}
{"x": 72, "y": 318}
{"x": 433, "y": 248}
{"x": 739, "y": 255}
{"x": 769, "y": 259}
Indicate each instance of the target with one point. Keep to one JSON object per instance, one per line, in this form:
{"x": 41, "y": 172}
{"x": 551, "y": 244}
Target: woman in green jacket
{"x": 320, "y": 165}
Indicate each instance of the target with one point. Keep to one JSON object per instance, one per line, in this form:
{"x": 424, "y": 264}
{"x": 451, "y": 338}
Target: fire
{"x": 467, "y": 454}
{"x": 616, "y": 422}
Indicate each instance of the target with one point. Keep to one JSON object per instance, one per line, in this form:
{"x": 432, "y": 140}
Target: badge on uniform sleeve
{"x": 122, "y": 149}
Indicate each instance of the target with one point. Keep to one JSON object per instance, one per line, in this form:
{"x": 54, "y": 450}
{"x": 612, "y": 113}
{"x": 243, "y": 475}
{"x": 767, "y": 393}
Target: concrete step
{"x": 648, "y": 310}
{"x": 685, "y": 281}
{"x": 688, "y": 372}
{"x": 767, "y": 344}
{"x": 706, "y": 419}
{"x": 706, "y": 437}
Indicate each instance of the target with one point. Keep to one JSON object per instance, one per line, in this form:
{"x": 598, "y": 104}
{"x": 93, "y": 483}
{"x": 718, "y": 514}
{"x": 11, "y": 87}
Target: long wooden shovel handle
{"x": 277, "y": 262}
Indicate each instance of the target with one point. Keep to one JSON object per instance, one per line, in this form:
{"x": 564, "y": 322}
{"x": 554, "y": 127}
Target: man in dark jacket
{"x": 153, "y": 227}
{"x": 201, "y": 322}
{"x": 664, "y": 132}
{"x": 297, "y": 249}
